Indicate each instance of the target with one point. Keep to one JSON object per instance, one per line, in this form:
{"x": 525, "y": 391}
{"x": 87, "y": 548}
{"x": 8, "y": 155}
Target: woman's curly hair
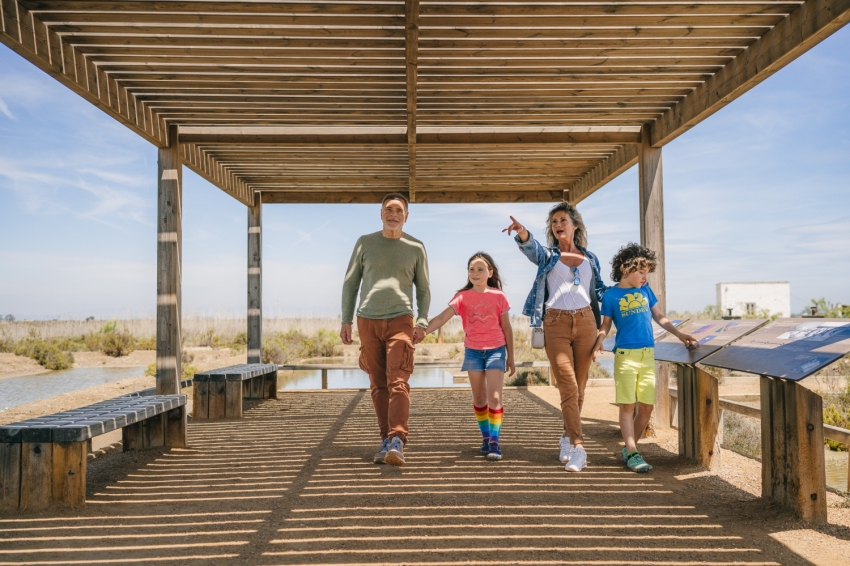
{"x": 630, "y": 258}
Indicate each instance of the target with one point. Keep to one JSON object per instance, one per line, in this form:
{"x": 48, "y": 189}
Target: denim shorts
{"x": 482, "y": 360}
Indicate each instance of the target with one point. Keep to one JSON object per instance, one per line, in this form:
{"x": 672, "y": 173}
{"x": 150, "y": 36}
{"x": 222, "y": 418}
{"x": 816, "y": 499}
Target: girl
{"x": 489, "y": 342}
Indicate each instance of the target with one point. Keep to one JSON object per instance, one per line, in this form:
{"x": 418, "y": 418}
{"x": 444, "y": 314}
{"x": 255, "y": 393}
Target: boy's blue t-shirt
{"x": 629, "y": 308}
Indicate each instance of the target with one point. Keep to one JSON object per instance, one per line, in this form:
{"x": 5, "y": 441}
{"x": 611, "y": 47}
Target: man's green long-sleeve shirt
{"x": 385, "y": 270}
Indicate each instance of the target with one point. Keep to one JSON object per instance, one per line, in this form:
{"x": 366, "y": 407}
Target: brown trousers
{"x": 570, "y": 337}
{"x": 386, "y": 354}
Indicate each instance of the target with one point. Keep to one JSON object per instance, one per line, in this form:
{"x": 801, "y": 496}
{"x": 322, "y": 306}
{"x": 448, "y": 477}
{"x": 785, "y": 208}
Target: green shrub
{"x": 91, "y": 341}
{"x": 291, "y": 346}
{"x": 186, "y": 370}
{"x": 598, "y": 371}
{"x": 239, "y": 342}
{"x": 742, "y": 434}
{"x": 46, "y": 354}
{"x": 146, "y": 343}
{"x": 526, "y": 377}
{"x": 836, "y": 412}
{"x": 117, "y": 344}
{"x": 7, "y": 345}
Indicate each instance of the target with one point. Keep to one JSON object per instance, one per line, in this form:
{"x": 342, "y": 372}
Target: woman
{"x": 565, "y": 301}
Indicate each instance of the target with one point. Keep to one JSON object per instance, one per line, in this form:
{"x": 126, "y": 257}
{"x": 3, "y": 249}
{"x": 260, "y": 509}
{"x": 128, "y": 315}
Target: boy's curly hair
{"x": 630, "y": 258}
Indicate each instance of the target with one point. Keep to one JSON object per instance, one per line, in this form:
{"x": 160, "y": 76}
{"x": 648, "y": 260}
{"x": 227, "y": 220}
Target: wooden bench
{"x": 43, "y": 460}
{"x": 219, "y": 392}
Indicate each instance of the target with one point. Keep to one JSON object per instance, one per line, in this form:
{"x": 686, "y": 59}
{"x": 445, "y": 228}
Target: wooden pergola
{"x": 345, "y": 101}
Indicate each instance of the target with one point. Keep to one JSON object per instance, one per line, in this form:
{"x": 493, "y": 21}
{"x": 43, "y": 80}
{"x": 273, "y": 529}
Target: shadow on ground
{"x": 293, "y": 483}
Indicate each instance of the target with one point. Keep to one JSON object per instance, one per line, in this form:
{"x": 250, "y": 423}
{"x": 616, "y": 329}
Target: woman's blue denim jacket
{"x": 545, "y": 259}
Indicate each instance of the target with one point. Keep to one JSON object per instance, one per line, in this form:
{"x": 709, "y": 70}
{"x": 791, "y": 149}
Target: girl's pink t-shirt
{"x": 481, "y": 314}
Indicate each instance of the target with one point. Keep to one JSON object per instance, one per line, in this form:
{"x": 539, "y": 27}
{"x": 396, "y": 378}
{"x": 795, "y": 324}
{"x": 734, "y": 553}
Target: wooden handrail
{"x": 830, "y": 432}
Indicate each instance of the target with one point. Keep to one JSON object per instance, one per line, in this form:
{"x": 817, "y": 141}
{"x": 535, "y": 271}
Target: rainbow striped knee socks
{"x": 483, "y": 421}
{"x": 495, "y": 418}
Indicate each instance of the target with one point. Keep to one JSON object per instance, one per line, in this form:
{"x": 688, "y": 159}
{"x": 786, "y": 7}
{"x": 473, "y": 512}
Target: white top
{"x": 563, "y": 294}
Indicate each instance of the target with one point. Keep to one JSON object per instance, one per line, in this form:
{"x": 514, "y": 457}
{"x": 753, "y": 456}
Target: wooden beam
{"x": 621, "y": 160}
{"x": 169, "y": 264}
{"x": 25, "y": 34}
{"x": 651, "y": 202}
{"x": 804, "y": 28}
{"x": 425, "y": 197}
{"x": 378, "y": 135}
{"x": 411, "y": 47}
{"x": 255, "y": 281}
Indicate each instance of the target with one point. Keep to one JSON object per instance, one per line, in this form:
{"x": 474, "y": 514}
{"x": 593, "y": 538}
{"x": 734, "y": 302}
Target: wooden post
{"x": 255, "y": 281}
{"x": 36, "y": 475}
{"x": 233, "y": 401}
{"x": 168, "y": 259}
{"x": 69, "y": 473}
{"x": 10, "y": 475}
{"x": 217, "y": 398}
{"x": 793, "y": 468}
{"x": 698, "y": 407}
{"x": 651, "y": 199}
{"x": 324, "y": 378}
{"x": 175, "y": 428}
{"x": 201, "y": 401}
{"x": 706, "y": 420}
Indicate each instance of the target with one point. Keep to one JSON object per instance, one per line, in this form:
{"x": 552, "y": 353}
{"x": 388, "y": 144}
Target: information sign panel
{"x": 711, "y": 335}
{"x": 657, "y": 333}
{"x": 788, "y": 348}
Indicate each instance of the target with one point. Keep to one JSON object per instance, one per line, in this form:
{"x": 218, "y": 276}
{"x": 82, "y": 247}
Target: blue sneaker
{"x": 395, "y": 452}
{"x": 637, "y": 464}
{"x": 485, "y": 446}
{"x": 625, "y": 455}
{"x": 381, "y": 455}
{"x": 495, "y": 453}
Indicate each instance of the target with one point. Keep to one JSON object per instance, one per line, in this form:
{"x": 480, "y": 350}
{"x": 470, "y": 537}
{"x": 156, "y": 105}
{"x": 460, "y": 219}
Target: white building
{"x": 753, "y": 298}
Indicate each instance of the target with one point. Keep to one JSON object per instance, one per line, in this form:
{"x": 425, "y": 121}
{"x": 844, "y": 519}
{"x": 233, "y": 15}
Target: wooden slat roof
{"x": 452, "y": 101}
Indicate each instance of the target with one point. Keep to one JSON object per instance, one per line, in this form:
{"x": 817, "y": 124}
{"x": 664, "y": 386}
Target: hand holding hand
{"x": 597, "y": 349}
{"x": 345, "y": 334}
{"x": 518, "y": 228}
{"x": 418, "y": 334}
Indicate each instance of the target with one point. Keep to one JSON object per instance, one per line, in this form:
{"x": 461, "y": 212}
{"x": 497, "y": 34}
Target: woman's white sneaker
{"x": 578, "y": 460}
{"x": 566, "y": 449}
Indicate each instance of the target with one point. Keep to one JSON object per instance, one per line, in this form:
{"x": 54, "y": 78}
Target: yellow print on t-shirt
{"x": 633, "y": 303}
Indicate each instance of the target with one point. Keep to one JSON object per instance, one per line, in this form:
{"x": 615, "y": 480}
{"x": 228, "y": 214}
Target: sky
{"x": 760, "y": 191}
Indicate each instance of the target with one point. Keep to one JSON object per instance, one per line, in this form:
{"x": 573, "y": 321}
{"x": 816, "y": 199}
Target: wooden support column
{"x": 169, "y": 265}
{"x": 699, "y": 416}
{"x": 652, "y": 236}
{"x": 792, "y": 458}
{"x": 411, "y": 15}
{"x": 255, "y": 281}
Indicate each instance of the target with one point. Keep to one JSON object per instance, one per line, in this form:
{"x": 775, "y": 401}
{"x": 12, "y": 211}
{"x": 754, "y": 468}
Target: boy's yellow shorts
{"x": 634, "y": 375}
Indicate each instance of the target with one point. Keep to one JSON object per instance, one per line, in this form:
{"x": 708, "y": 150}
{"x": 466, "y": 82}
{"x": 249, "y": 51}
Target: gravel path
{"x": 293, "y": 483}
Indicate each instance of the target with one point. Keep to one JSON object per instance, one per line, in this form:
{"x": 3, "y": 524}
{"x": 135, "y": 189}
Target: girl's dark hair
{"x": 579, "y": 236}
{"x": 630, "y": 258}
{"x": 493, "y": 281}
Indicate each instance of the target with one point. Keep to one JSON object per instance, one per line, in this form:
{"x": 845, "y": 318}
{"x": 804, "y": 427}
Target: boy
{"x": 631, "y": 306}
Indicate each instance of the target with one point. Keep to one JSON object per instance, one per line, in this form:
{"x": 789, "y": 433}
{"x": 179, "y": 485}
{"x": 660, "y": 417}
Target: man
{"x": 384, "y": 267}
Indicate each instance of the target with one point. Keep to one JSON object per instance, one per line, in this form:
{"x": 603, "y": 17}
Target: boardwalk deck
{"x": 292, "y": 483}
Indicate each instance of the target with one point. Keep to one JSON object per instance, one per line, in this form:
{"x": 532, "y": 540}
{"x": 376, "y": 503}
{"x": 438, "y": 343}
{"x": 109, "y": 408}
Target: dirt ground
{"x": 293, "y": 483}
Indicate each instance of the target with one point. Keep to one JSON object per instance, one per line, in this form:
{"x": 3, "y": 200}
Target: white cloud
{"x": 4, "y": 109}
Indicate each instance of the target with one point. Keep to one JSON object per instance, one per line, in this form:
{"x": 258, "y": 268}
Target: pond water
{"x": 16, "y": 391}
{"x": 836, "y": 470}
{"x": 356, "y": 379}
